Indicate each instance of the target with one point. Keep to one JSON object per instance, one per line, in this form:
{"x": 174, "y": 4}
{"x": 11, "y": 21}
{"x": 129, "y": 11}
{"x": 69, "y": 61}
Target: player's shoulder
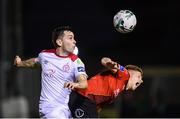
{"x": 106, "y": 72}
{"x": 76, "y": 60}
{"x": 123, "y": 73}
{"x": 73, "y": 57}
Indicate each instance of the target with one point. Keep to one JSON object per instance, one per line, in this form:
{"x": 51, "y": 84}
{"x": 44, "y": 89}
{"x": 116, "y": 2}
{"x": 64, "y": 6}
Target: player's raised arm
{"x": 108, "y": 63}
{"x": 29, "y": 63}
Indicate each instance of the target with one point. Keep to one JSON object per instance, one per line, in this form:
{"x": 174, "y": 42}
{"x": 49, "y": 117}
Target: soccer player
{"x": 103, "y": 88}
{"x": 60, "y": 68}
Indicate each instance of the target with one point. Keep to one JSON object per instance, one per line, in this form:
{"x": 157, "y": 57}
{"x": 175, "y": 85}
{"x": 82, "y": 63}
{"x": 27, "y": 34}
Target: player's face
{"x": 68, "y": 42}
{"x": 135, "y": 79}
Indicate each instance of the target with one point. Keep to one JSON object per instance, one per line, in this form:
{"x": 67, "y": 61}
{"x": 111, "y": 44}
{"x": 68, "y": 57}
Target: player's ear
{"x": 59, "y": 42}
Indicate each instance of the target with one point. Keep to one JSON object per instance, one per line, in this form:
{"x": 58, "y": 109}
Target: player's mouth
{"x": 137, "y": 83}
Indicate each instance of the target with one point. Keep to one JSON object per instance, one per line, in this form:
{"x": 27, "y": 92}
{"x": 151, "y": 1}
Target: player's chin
{"x": 134, "y": 88}
{"x": 70, "y": 51}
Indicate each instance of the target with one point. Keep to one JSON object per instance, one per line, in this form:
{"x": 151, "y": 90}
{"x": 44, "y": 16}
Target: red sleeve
{"x": 123, "y": 73}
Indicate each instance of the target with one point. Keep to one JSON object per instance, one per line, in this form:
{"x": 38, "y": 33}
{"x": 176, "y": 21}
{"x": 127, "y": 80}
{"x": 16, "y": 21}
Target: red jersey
{"x": 105, "y": 87}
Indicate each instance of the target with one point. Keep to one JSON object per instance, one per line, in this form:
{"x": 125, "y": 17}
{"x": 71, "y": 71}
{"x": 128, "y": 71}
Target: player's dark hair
{"x": 134, "y": 67}
{"x": 59, "y": 33}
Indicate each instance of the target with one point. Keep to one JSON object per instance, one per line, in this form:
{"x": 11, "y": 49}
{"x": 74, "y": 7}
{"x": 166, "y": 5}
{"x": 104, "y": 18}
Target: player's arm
{"x": 29, "y": 63}
{"x": 109, "y": 64}
{"x": 80, "y": 84}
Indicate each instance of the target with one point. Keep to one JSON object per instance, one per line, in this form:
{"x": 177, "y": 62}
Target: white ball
{"x": 75, "y": 51}
{"x": 124, "y": 21}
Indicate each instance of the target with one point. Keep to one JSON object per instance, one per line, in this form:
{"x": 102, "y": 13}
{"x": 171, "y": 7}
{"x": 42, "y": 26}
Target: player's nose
{"x": 74, "y": 41}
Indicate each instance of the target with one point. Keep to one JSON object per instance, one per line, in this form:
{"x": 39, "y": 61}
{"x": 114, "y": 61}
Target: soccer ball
{"x": 124, "y": 21}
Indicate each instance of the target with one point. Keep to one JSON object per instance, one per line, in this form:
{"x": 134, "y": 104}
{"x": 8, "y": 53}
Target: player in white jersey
{"x": 61, "y": 72}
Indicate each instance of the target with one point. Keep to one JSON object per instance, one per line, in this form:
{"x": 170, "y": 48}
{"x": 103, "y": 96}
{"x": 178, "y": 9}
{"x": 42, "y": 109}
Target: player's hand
{"x": 17, "y": 61}
{"x": 107, "y": 62}
{"x": 70, "y": 85}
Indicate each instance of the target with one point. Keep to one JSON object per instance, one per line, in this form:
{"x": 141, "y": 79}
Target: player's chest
{"x": 57, "y": 64}
{"x": 116, "y": 87}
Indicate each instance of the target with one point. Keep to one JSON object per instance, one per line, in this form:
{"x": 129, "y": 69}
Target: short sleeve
{"x": 79, "y": 67}
{"x": 123, "y": 72}
{"x": 38, "y": 59}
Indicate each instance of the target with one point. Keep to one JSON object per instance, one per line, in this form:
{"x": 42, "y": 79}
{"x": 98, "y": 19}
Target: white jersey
{"x": 56, "y": 70}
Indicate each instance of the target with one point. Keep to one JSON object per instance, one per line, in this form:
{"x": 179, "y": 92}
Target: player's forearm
{"x": 82, "y": 85}
{"x": 78, "y": 85}
{"x": 27, "y": 63}
{"x": 82, "y": 82}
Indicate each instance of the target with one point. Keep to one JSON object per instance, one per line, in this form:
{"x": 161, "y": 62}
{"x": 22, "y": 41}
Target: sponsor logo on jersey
{"x": 45, "y": 62}
{"x": 81, "y": 69}
{"x": 49, "y": 73}
{"x": 79, "y": 113}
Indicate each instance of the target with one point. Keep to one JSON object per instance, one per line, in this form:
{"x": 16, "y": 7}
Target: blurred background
{"x": 25, "y": 29}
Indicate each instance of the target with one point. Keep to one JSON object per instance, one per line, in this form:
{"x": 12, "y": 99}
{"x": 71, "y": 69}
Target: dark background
{"x": 26, "y": 28}
{"x": 154, "y": 41}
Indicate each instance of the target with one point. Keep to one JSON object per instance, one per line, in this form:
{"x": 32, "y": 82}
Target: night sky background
{"x": 154, "y": 41}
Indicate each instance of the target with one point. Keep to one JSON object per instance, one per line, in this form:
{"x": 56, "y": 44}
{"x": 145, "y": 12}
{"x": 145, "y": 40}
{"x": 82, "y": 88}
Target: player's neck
{"x": 127, "y": 87}
{"x": 60, "y": 52}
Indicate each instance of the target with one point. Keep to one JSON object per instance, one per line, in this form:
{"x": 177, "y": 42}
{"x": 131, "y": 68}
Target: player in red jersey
{"x": 104, "y": 87}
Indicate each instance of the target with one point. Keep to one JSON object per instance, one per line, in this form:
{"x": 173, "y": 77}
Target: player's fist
{"x": 17, "y": 61}
{"x": 108, "y": 63}
{"x": 105, "y": 60}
